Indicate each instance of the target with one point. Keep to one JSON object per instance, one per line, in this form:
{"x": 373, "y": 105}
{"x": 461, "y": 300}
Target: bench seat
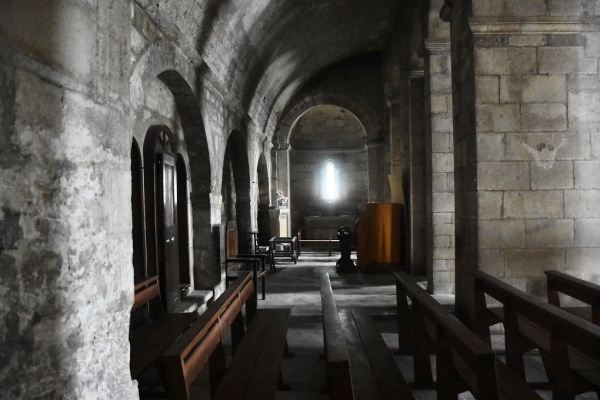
{"x": 149, "y": 341}
{"x": 375, "y": 374}
{"x": 257, "y": 350}
{"x": 359, "y": 363}
{"x": 254, "y": 369}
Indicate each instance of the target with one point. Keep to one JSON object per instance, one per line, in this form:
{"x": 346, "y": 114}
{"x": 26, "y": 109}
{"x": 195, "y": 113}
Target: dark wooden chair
{"x": 235, "y": 261}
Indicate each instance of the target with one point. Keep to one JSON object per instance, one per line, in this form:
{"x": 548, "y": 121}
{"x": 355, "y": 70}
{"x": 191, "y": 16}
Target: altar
{"x": 325, "y": 227}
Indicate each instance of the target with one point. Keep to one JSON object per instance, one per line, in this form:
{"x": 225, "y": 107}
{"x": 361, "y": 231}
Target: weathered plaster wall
{"x": 65, "y": 290}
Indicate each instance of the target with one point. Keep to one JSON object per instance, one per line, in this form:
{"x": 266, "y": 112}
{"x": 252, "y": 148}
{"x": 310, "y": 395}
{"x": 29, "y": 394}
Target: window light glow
{"x": 330, "y": 182}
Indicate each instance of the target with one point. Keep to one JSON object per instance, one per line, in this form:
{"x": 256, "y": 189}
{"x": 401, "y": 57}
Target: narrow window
{"x": 330, "y": 183}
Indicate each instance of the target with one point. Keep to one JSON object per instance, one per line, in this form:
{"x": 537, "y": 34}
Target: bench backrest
{"x": 457, "y": 347}
{"x": 145, "y": 292}
{"x": 587, "y": 292}
{"x": 561, "y": 326}
{"x": 338, "y": 359}
{"x": 181, "y": 363}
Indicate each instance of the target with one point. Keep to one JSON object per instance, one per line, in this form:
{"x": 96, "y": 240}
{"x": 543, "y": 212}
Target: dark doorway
{"x": 183, "y": 226}
{"x": 166, "y": 232}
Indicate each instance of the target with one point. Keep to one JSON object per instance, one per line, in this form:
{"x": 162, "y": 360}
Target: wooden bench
{"x": 330, "y": 244}
{"x": 584, "y": 291}
{"x": 253, "y": 372}
{"x": 569, "y": 345}
{"x": 359, "y": 363}
{"x": 464, "y": 361}
{"x": 233, "y": 260}
{"x": 151, "y": 338}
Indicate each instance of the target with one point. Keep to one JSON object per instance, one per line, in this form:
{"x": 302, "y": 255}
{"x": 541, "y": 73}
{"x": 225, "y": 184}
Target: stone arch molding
{"x": 365, "y": 113}
{"x": 156, "y": 60}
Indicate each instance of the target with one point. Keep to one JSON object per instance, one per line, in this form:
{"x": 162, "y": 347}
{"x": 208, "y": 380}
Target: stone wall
{"x": 536, "y": 98}
{"x": 65, "y": 253}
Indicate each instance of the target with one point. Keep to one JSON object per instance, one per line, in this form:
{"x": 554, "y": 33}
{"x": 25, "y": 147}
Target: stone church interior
{"x": 173, "y": 173}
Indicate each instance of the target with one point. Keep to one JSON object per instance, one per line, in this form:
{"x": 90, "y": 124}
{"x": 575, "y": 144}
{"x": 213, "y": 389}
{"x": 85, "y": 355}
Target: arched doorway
{"x": 162, "y": 233}
{"x": 137, "y": 209}
{"x": 328, "y": 151}
{"x": 183, "y": 225}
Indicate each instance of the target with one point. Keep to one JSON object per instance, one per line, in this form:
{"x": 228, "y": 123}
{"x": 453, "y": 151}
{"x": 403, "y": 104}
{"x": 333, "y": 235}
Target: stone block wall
{"x": 536, "y": 98}
{"x": 537, "y": 105}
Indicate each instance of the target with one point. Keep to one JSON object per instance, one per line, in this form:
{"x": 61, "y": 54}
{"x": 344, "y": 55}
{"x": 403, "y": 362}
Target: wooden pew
{"x": 234, "y": 259}
{"x": 569, "y": 345}
{"x": 149, "y": 340}
{"x": 253, "y": 372}
{"x": 359, "y": 363}
{"x": 584, "y": 291}
{"x": 330, "y": 244}
{"x": 464, "y": 361}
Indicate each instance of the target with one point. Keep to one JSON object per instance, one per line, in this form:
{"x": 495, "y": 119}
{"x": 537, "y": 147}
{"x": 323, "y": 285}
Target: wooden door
{"x": 167, "y": 242}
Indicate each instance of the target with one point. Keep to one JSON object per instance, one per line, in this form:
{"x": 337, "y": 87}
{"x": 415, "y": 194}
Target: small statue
{"x": 281, "y": 199}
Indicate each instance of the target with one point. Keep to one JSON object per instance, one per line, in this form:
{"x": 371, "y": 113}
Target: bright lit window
{"x": 330, "y": 182}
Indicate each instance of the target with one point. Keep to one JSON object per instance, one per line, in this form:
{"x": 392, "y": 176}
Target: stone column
{"x": 66, "y": 285}
{"x": 376, "y": 171}
{"x": 441, "y": 257}
{"x": 416, "y": 194}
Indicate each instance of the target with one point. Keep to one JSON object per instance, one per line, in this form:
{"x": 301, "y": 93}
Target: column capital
{"x": 437, "y": 45}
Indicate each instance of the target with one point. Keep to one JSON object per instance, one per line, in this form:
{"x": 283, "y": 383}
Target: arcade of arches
{"x": 133, "y": 131}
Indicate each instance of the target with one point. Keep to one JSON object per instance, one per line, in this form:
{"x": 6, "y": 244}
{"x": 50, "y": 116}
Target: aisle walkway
{"x": 296, "y": 286}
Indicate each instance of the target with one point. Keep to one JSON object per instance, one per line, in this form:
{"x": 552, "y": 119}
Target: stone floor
{"x": 296, "y": 286}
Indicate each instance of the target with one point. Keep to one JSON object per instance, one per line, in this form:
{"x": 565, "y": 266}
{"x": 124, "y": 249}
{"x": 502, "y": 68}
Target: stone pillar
{"x": 376, "y": 171}
{"x": 441, "y": 257}
{"x": 66, "y": 285}
{"x": 398, "y": 108}
{"x": 416, "y": 195}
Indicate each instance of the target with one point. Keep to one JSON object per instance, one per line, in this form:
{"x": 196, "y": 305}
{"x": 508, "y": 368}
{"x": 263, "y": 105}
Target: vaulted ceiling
{"x": 261, "y": 51}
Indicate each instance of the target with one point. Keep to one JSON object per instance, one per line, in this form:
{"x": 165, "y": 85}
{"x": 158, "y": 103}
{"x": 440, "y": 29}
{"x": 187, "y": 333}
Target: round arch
{"x": 366, "y": 114}
{"x": 166, "y": 62}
